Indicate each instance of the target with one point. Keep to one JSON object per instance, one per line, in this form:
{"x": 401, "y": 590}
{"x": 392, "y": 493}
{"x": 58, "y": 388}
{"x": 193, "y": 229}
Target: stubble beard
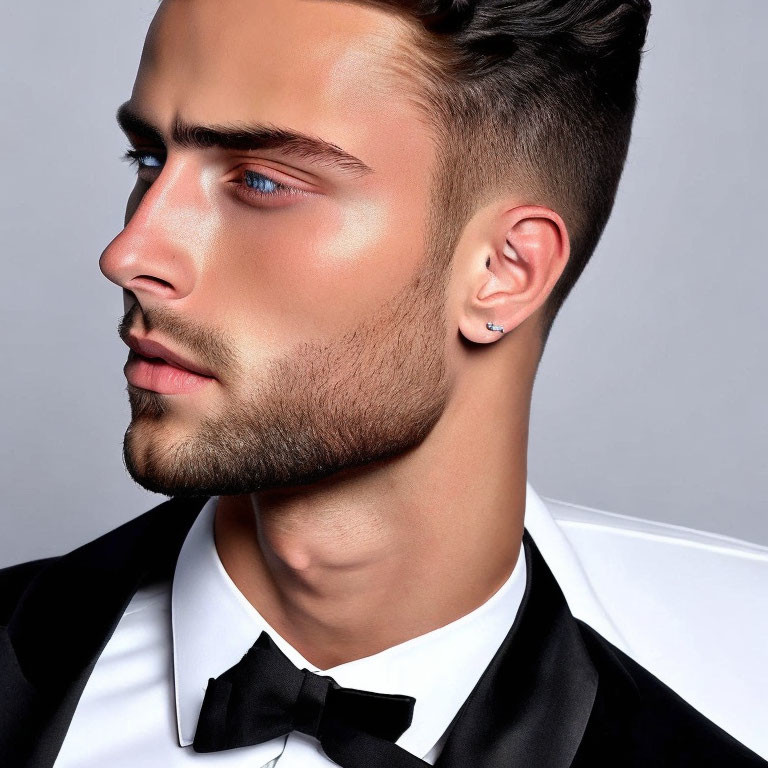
{"x": 373, "y": 393}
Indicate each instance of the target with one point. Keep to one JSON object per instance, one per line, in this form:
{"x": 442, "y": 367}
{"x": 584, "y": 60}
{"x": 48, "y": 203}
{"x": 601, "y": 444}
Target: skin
{"x": 366, "y": 433}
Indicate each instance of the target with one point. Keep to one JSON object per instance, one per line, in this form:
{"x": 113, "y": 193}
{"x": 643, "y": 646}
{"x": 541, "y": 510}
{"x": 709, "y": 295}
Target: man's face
{"x": 303, "y": 286}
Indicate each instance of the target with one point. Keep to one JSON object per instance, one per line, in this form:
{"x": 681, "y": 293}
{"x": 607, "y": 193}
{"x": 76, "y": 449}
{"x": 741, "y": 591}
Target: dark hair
{"x": 536, "y": 96}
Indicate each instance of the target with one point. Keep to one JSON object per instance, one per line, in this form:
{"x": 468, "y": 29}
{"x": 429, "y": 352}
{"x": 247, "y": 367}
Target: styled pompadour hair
{"x": 531, "y": 96}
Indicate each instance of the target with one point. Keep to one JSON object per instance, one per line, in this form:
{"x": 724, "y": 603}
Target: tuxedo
{"x": 557, "y": 693}
{"x": 143, "y": 702}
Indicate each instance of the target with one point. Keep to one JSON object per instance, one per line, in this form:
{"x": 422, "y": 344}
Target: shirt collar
{"x": 567, "y": 569}
{"x": 213, "y": 625}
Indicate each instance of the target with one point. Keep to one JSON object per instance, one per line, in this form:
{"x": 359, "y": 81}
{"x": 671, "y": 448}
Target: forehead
{"x": 318, "y": 66}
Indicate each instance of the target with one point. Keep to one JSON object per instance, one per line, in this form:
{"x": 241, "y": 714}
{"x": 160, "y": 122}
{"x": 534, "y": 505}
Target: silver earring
{"x": 492, "y": 327}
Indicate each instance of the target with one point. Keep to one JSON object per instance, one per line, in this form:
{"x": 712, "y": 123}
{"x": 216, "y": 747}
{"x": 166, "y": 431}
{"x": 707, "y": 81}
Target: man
{"x": 352, "y": 228}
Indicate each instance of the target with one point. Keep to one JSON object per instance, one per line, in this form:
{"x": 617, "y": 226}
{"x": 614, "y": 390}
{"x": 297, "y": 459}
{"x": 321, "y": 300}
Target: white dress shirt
{"x": 690, "y": 606}
{"x": 141, "y": 703}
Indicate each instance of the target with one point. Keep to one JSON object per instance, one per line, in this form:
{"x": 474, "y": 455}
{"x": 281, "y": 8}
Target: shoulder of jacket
{"x": 644, "y": 568}
{"x": 14, "y": 580}
{"x": 691, "y": 606}
{"x": 664, "y": 723}
{"x": 662, "y": 583}
{"x": 579, "y": 520}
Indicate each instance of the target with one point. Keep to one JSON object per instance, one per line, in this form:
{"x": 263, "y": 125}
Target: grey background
{"x": 651, "y": 396}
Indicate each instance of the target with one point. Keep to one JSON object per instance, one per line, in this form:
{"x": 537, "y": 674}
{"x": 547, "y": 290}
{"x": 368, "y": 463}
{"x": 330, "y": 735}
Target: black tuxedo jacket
{"x": 556, "y": 694}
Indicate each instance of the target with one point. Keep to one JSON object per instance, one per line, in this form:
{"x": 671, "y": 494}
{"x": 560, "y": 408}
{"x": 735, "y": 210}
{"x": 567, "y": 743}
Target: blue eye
{"x": 263, "y": 184}
{"x": 143, "y": 159}
{"x": 260, "y": 186}
{"x": 251, "y": 185}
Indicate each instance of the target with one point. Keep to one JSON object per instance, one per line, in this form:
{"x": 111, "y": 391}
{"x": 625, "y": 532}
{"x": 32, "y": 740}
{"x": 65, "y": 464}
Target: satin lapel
{"x": 531, "y": 706}
{"x": 65, "y": 618}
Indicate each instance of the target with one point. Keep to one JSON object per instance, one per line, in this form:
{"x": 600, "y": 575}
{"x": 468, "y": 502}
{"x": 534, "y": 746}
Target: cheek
{"x": 315, "y": 268}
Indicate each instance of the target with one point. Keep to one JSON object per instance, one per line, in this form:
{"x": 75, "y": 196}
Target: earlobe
{"x": 515, "y": 273}
{"x": 489, "y": 313}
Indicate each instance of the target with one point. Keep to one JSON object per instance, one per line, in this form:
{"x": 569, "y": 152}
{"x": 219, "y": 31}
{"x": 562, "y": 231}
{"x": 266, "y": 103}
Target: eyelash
{"x": 138, "y": 157}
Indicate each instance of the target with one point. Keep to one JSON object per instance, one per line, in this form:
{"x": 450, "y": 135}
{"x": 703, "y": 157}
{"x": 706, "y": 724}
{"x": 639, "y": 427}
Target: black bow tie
{"x": 264, "y": 696}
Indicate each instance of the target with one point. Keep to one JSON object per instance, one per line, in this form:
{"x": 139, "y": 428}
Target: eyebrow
{"x": 244, "y": 138}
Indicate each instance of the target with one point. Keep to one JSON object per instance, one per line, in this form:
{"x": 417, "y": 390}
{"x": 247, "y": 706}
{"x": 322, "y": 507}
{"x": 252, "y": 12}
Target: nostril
{"x": 156, "y": 279}
{"x": 149, "y": 284}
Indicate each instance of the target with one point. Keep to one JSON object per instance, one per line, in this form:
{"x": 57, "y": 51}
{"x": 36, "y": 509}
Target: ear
{"x": 509, "y": 268}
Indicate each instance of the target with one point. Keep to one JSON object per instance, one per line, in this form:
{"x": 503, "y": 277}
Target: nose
{"x": 154, "y": 255}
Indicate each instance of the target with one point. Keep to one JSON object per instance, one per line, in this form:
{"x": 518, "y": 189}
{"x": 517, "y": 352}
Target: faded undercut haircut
{"x": 533, "y": 97}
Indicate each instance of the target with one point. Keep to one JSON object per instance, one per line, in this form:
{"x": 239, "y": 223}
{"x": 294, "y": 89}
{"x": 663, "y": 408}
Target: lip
{"x": 159, "y": 376}
{"x": 151, "y": 349}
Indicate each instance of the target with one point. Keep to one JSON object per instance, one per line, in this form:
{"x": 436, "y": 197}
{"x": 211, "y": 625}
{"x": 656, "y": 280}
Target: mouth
{"x": 153, "y": 366}
{"x": 160, "y": 376}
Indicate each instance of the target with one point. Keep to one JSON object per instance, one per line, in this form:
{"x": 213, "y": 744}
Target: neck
{"x": 377, "y": 555}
